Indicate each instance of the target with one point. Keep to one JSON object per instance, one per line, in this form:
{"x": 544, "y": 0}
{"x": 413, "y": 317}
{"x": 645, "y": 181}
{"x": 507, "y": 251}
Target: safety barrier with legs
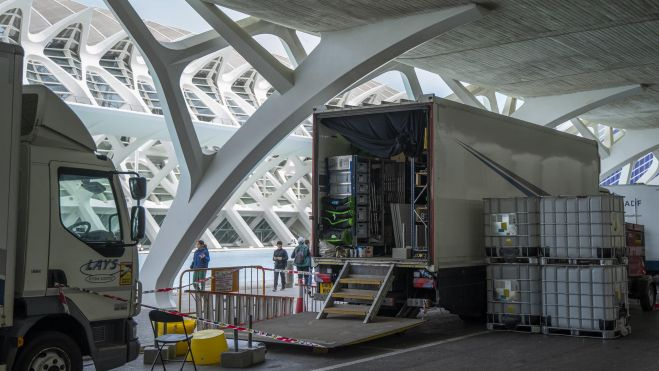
{"x": 248, "y": 280}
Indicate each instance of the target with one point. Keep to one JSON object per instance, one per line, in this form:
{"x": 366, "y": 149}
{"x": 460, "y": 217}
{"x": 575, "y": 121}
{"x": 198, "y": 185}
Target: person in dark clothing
{"x": 200, "y": 261}
{"x": 302, "y": 260}
{"x": 280, "y": 257}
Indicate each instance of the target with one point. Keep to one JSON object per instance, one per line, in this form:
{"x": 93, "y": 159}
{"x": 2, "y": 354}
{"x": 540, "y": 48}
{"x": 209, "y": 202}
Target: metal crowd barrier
{"x": 248, "y": 279}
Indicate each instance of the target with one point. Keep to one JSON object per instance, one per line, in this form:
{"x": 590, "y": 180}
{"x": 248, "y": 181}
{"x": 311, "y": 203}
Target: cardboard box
{"x": 398, "y": 253}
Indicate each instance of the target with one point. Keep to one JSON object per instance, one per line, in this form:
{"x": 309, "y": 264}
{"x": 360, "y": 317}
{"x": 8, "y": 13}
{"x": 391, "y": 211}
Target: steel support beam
{"x": 554, "y": 110}
{"x": 341, "y": 58}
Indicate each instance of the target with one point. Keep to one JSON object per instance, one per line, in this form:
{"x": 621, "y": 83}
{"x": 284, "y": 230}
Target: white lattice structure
{"x": 219, "y": 159}
{"x": 84, "y": 55}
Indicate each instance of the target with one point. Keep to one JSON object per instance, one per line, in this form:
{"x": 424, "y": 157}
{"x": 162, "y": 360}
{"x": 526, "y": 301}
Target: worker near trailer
{"x": 302, "y": 260}
{"x": 200, "y": 260}
{"x": 280, "y": 257}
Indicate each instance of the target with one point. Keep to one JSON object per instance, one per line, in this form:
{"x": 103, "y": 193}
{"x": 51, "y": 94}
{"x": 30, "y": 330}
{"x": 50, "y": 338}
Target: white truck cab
{"x": 65, "y": 225}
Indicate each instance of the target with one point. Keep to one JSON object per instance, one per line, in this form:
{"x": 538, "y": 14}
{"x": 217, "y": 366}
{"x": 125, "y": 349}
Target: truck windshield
{"x": 88, "y": 206}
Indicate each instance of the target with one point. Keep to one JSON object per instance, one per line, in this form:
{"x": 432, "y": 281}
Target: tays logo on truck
{"x": 101, "y": 270}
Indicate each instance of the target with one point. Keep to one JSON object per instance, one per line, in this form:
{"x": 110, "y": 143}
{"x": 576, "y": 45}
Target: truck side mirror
{"x": 137, "y": 222}
{"x": 137, "y": 187}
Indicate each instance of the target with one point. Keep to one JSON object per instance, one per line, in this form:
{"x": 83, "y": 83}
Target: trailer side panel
{"x": 478, "y": 154}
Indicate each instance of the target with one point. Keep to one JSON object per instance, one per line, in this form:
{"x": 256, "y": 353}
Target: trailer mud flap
{"x": 462, "y": 290}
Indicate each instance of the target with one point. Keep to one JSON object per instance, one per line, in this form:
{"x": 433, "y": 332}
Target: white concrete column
{"x": 463, "y": 93}
{"x": 340, "y": 58}
{"x": 241, "y": 227}
{"x": 554, "y": 110}
{"x": 586, "y": 133}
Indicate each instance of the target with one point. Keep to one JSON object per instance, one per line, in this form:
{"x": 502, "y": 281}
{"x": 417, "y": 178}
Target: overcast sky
{"x": 177, "y": 13}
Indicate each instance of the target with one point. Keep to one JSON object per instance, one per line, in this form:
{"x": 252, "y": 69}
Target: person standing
{"x": 302, "y": 260}
{"x": 200, "y": 261}
{"x": 280, "y": 257}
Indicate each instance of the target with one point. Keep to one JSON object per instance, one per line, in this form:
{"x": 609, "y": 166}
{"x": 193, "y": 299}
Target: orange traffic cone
{"x": 299, "y": 305}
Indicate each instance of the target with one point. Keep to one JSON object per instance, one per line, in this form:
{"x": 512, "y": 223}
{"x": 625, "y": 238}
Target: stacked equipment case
{"x": 345, "y": 212}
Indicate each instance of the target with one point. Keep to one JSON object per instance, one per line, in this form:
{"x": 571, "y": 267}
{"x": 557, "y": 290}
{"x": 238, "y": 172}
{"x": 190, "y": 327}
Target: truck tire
{"x": 50, "y": 351}
{"x": 648, "y": 296}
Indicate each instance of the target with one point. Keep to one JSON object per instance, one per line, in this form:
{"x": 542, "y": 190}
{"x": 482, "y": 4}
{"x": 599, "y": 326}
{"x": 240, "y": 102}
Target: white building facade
{"x": 85, "y": 57}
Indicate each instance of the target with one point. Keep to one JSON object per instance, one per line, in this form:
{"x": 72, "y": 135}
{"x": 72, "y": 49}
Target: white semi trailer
{"x": 64, "y": 221}
{"x": 642, "y": 207}
{"x": 371, "y": 163}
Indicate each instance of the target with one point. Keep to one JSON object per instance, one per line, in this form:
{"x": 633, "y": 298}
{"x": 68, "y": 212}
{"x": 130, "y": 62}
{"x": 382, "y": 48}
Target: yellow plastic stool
{"x": 207, "y": 346}
{"x": 176, "y": 328}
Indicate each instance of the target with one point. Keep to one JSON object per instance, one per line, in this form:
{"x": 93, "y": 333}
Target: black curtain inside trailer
{"x": 383, "y": 134}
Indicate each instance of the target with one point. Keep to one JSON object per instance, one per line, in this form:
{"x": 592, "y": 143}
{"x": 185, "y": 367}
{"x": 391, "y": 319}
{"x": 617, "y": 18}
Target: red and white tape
{"x": 222, "y": 325}
{"x": 168, "y": 289}
{"x": 287, "y": 271}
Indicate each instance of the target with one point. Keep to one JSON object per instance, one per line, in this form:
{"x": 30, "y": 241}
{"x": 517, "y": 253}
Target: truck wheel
{"x": 648, "y": 297}
{"x": 49, "y": 351}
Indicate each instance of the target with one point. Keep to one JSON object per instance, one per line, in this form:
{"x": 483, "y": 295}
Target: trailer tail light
{"x": 323, "y": 277}
{"x": 424, "y": 283}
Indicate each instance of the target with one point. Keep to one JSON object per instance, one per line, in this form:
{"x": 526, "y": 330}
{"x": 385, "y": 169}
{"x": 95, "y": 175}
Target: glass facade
{"x": 10, "y": 26}
{"x": 117, "y": 62}
{"x": 612, "y": 179}
{"x": 102, "y": 92}
{"x": 37, "y": 73}
{"x": 64, "y": 50}
{"x": 641, "y": 167}
{"x": 149, "y": 96}
{"x": 200, "y": 111}
{"x": 206, "y": 79}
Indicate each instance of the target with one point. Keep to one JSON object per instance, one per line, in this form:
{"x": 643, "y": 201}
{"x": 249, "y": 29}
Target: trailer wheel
{"x": 648, "y": 297}
{"x": 49, "y": 351}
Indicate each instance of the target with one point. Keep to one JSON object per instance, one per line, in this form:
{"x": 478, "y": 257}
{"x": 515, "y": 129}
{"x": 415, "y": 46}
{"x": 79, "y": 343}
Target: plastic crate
{"x": 340, "y": 177}
{"x": 339, "y": 162}
{"x": 565, "y": 204}
{"x": 583, "y": 229}
{"x": 512, "y": 224}
{"x": 362, "y": 214}
{"x": 362, "y": 230}
{"x": 594, "y": 247}
{"x": 514, "y": 289}
{"x": 589, "y": 298}
{"x": 341, "y": 189}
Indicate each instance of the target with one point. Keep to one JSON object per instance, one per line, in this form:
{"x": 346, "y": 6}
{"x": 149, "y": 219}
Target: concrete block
{"x": 171, "y": 350}
{"x": 150, "y": 354}
{"x": 258, "y": 355}
{"x": 243, "y": 358}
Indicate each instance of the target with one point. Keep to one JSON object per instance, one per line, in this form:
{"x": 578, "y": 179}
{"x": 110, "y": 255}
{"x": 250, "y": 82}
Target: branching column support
{"x": 341, "y": 58}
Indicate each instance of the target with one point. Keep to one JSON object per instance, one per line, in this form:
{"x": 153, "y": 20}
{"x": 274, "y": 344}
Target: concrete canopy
{"x": 523, "y": 48}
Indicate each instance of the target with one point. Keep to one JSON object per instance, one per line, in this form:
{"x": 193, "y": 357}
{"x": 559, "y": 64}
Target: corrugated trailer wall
{"x": 478, "y": 154}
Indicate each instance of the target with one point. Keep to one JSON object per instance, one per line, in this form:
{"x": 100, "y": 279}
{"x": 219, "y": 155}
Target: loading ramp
{"x": 335, "y": 331}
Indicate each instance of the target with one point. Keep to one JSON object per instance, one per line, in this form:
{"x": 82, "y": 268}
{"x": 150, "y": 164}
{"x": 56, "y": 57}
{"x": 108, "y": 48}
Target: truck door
{"x": 88, "y": 233}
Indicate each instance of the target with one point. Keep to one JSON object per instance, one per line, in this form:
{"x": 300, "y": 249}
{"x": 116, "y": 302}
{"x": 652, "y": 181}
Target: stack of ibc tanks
{"x": 584, "y": 272}
{"x": 512, "y": 242}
